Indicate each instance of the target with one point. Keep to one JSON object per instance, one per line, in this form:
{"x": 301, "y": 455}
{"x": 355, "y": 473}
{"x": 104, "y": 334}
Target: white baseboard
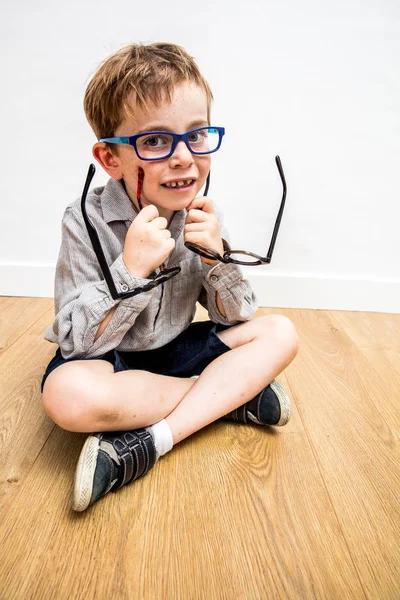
{"x": 35, "y": 280}
{"x": 330, "y": 292}
{"x": 281, "y": 290}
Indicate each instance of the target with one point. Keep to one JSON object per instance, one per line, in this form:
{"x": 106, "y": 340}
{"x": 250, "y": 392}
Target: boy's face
{"x": 187, "y": 110}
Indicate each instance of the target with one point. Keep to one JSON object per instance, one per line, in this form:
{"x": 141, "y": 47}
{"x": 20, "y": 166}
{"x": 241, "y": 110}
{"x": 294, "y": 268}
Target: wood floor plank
{"x": 348, "y": 416}
{"x": 394, "y": 359}
{"x": 25, "y": 427}
{"x": 233, "y": 512}
{"x": 370, "y": 330}
{"x": 17, "y": 315}
{"x": 381, "y": 371}
{"x": 382, "y": 368}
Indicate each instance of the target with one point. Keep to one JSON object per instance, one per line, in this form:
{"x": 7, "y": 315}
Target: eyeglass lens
{"x": 159, "y": 145}
{"x": 243, "y": 258}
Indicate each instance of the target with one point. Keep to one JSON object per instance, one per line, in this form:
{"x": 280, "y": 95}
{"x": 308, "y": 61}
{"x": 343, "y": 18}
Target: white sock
{"x": 162, "y": 436}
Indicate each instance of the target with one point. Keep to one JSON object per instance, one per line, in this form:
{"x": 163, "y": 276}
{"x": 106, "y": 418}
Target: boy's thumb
{"x": 147, "y": 214}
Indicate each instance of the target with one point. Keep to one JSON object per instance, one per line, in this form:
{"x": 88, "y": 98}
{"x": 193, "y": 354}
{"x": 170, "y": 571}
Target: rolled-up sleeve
{"x": 238, "y": 299}
{"x": 83, "y": 299}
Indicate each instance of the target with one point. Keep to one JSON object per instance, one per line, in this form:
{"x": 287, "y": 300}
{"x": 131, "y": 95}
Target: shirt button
{"x": 214, "y": 278}
{"x": 124, "y": 287}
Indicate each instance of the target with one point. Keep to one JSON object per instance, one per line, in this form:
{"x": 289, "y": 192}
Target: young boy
{"x": 128, "y": 367}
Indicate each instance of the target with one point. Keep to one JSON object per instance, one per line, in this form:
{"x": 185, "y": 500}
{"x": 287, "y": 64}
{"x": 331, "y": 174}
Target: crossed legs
{"x": 87, "y": 396}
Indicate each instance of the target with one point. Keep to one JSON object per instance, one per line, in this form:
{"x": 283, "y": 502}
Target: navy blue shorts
{"x": 188, "y": 354}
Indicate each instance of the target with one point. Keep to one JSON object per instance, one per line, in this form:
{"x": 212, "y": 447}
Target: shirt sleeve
{"x": 237, "y": 296}
{"x": 83, "y": 299}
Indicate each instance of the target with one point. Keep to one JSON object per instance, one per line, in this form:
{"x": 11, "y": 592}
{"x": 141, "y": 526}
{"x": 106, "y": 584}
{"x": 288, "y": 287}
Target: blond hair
{"x": 149, "y": 72}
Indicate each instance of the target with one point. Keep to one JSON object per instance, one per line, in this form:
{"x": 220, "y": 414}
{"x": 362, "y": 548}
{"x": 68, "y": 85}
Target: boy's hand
{"x": 148, "y": 243}
{"x": 202, "y": 227}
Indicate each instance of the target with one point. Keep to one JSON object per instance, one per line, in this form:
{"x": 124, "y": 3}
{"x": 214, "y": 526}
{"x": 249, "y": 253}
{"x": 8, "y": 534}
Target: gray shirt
{"x": 150, "y": 319}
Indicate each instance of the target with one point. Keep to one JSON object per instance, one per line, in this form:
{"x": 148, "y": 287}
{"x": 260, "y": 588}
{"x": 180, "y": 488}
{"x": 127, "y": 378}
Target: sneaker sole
{"x": 84, "y": 474}
{"x": 284, "y": 401}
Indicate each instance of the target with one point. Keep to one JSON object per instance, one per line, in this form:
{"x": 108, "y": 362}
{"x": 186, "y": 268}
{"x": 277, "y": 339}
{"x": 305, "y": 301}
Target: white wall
{"x": 316, "y": 82}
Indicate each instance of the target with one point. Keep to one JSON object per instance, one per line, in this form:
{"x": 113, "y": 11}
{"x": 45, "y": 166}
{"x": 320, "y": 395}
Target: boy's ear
{"x": 107, "y": 160}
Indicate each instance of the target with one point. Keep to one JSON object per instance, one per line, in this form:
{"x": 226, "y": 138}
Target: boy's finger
{"x": 197, "y": 216}
{"x": 202, "y": 203}
{"x": 147, "y": 214}
{"x": 194, "y": 227}
{"x": 159, "y": 223}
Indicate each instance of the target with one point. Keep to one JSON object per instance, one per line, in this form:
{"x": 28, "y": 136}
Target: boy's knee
{"x": 75, "y": 401}
{"x": 284, "y": 331}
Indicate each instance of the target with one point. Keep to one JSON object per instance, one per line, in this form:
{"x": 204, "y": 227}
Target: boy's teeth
{"x": 179, "y": 183}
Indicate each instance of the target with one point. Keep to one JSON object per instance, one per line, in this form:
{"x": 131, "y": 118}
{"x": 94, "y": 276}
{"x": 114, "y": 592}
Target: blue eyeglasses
{"x": 156, "y": 145}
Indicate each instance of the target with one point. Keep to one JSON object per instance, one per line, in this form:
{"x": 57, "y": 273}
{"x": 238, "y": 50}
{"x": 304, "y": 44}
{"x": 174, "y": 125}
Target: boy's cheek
{"x": 200, "y": 183}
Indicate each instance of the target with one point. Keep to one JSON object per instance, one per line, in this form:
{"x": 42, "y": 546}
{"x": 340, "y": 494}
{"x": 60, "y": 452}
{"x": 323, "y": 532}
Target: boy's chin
{"x": 181, "y": 199}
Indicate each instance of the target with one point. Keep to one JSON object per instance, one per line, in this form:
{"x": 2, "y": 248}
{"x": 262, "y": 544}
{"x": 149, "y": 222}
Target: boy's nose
{"x": 181, "y": 155}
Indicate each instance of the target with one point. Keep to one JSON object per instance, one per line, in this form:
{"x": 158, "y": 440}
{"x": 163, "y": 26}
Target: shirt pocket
{"x": 185, "y": 291}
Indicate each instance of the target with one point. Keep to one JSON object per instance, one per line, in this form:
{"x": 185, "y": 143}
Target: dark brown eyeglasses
{"x": 242, "y": 257}
{"x": 245, "y": 258}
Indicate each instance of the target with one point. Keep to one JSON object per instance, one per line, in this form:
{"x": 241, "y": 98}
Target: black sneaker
{"x": 110, "y": 460}
{"x": 269, "y": 407}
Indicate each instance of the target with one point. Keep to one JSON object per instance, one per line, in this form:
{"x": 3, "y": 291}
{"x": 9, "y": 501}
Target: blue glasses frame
{"x": 177, "y": 137}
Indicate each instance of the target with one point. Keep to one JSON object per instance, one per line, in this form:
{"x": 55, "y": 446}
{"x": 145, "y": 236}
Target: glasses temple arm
{"x": 207, "y": 184}
{"x": 95, "y": 238}
{"x": 280, "y": 213}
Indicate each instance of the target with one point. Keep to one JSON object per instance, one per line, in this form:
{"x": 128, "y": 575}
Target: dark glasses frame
{"x": 167, "y": 274}
{"x": 259, "y": 260}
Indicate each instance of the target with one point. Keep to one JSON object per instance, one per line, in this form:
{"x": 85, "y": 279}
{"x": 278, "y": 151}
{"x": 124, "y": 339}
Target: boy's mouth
{"x": 179, "y": 184}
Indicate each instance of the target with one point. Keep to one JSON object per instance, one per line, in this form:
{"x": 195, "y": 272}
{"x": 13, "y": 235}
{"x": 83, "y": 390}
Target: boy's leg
{"x": 261, "y": 349}
{"x": 88, "y": 396}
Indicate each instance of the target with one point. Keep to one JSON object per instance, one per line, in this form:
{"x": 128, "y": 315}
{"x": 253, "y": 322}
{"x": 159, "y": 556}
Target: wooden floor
{"x": 311, "y": 510}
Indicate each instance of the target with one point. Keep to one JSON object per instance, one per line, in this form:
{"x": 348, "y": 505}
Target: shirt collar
{"x": 116, "y": 204}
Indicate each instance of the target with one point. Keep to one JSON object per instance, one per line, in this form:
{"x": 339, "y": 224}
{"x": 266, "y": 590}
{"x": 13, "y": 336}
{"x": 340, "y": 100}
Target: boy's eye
{"x": 155, "y": 141}
{"x": 197, "y": 136}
